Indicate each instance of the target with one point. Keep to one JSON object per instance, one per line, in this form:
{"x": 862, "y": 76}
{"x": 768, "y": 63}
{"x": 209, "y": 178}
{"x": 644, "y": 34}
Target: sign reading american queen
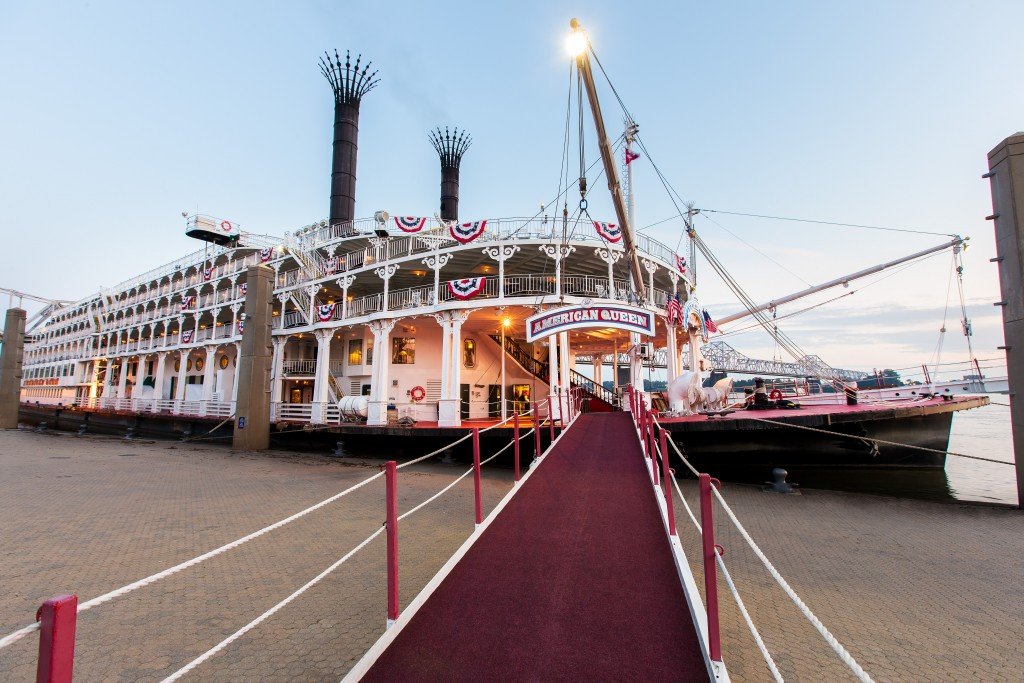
{"x": 620, "y": 317}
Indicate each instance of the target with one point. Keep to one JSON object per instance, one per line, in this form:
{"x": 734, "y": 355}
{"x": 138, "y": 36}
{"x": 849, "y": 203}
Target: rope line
{"x": 836, "y": 646}
{"x": 270, "y": 612}
{"x": 15, "y": 636}
{"x": 881, "y": 441}
{"x": 312, "y": 582}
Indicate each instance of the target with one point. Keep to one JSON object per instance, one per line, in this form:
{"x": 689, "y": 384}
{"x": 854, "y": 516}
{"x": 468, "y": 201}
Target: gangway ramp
{"x": 573, "y": 580}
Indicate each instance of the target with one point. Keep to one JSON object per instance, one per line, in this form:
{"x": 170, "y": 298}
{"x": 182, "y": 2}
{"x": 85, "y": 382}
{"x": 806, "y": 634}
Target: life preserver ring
{"x": 775, "y": 395}
{"x": 226, "y": 226}
{"x": 417, "y": 393}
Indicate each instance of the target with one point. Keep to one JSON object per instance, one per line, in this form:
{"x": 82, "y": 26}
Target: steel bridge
{"x": 723, "y": 357}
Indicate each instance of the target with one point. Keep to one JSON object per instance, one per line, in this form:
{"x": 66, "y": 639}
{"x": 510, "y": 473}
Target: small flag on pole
{"x": 631, "y": 156}
{"x": 709, "y": 324}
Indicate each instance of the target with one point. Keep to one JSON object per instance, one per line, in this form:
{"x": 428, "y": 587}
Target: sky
{"x": 119, "y": 116}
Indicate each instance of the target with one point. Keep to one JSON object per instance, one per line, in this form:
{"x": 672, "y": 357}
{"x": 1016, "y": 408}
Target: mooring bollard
{"x": 56, "y": 617}
{"x": 515, "y": 437}
{"x": 391, "y": 495}
{"x": 476, "y": 476}
{"x": 129, "y": 433}
{"x": 707, "y": 527}
{"x": 339, "y": 449}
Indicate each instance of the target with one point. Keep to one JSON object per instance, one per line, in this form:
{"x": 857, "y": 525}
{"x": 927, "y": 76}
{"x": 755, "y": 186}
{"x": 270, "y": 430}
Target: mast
{"x": 582, "y": 44}
{"x": 845, "y": 280}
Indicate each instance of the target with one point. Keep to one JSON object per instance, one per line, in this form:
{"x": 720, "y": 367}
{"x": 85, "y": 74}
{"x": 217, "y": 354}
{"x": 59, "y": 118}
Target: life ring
{"x": 417, "y": 393}
{"x": 775, "y": 395}
{"x": 226, "y": 226}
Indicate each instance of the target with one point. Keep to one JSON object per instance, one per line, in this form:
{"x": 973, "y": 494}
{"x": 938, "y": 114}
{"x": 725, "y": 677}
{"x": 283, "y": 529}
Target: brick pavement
{"x": 916, "y": 590}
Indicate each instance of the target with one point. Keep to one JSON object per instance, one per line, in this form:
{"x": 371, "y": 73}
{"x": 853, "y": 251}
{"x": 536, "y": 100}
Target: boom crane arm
{"x": 955, "y": 243}
{"x": 581, "y": 45}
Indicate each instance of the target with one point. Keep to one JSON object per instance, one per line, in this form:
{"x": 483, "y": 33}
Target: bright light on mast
{"x": 576, "y": 42}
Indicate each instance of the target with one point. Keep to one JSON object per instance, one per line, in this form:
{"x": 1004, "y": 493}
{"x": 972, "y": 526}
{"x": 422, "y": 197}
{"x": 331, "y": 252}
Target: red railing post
{"x": 56, "y": 617}
{"x": 561, "y": 407}
{"x": 654, "y": 452}
{"x": 391, "y": 495}
{"x": 536, "y": 431}
{"x": 707, "y": 527}
{"x": 667, "y": 481}
{"x": 551, "y": 422}
{"x": 515, "y": 443}
{"x": 476, "y": 476}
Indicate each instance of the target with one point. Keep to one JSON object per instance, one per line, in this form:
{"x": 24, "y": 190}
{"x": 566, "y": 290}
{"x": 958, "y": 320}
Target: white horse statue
{"x": 685, "y": 393}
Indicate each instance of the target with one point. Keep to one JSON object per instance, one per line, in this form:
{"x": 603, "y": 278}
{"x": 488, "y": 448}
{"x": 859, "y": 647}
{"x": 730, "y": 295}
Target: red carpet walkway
{"x": 574, "y": 580}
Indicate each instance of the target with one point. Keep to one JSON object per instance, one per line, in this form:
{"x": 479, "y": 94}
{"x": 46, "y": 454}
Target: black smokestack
{"x": 349, "y": 84}
{"x": 450, "y": 147}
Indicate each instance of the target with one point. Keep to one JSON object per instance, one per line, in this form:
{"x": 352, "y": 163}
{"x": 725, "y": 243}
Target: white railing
{"x": 299, "y": 367}
{"x": 293, "y": 412}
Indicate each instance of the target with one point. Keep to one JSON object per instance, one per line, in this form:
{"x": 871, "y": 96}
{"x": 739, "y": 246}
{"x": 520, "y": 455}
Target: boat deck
{"x": 823, "y": 414}
{"x": 552, "y": 589}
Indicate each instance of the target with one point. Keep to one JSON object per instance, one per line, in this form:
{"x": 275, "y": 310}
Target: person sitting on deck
{"x": 748, "y": 399}
{"x": 760, "y": 401}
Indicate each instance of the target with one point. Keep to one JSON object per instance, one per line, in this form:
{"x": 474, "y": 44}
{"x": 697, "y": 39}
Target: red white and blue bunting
{"x": 464, "y": 233}
{"x": 186, "y": 336}
{"x": 324, "y": 312}
{"x": 681, "y": 264}
{"x": 188, "y": 302}
{"x": 207, "y": 274}
{"x": 466, "y": 288}
{"x": 410, "y": 223}
{"x": 331, "y": 265}
{"x": 243, "y": 288}
{"x": 241, "y": 326}
{"x": 608, "y": 231}
{"x": 266, "y": 254}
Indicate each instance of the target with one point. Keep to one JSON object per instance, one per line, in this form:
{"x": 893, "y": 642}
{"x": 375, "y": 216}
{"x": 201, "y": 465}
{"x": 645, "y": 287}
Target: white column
{"x": 499, "y": 254}
{"x": 345, "y": 282}
{"x": 122, "y": 382}
{"x": 323, "y": 365}
{"x": 671, "y": 354}
{"x": 385, "y": 273}
{"x": 610, "y": 257}
{"x": 565, "y": 356}
{"x": 179, "y": 388}
{"x": 234, "y": 379}
{"x": 209, "y": 368}
{"x": 651, "y": 267}
{"x": 553, "y": 377}
{"x": 277, "y": 369}
{"x": 445, "y": 321}
{"x": 436, "y": 262}
{"x": 377, "y": 411}
{"x": 159, "y": 370}
{"x": 458, "y": 318}
{"x": 557, "y": 253}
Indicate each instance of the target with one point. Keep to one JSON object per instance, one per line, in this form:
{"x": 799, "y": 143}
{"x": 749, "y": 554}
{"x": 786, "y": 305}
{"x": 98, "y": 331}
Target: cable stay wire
{"x": 915, "y": 231}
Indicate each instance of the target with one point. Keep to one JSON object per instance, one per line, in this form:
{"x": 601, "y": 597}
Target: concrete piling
{"x": 1006, "y": 176}
{"x": 252, "y": 411}
{"x": 10, "y": 367}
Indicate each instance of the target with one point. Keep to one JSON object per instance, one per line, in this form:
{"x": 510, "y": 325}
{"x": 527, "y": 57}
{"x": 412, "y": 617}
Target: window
{"x": 355, "y": 352}
{"x": 403, "y": 350}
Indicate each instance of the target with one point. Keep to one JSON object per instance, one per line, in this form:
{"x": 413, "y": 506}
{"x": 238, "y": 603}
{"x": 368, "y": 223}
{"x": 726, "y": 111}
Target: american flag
{"x": 673, "y": 311}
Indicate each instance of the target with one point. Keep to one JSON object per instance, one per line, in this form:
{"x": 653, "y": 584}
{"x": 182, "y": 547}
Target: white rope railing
{"x": 312, "y": 582}
{"x": 836, "y": 646}
{"x": 15, "y": 636}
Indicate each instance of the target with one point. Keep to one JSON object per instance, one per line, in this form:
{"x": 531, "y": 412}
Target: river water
{"x": 984, "y": 432}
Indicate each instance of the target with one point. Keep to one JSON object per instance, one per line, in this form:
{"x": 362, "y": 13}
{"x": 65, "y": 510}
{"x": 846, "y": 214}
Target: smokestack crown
{"x": 450, "y": 146}
{"x": 347, "y": 81}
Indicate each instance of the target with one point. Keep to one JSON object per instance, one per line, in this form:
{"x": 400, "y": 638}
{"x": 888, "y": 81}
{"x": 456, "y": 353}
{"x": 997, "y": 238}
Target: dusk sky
{"x": 119, "y": 116}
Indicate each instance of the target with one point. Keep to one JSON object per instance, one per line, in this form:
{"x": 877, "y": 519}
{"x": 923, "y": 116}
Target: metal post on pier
{"x": 391, "y": 495}
{"x": 476, "y": 476}
{"x": 252, "y": 412}
{"x": 57, "y": 620}
{"x": 707, "y": 528}
{"x": 537, "y": 430}
{"x": 667, "y": 481}
{"x": 1006, "y": 176}
{"x": 515, "y": 442}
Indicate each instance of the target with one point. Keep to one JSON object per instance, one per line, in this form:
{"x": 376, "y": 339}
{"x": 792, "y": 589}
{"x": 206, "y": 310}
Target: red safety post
{"x": 536, "y": 431}
{"x": 551, "y": 422}
{"x": 667, "y": 481}
{"x": 561, "y": 408}
{"x": 515, "y": 442}
{"x": 391, "y": 494}
{"x": 476, "y": 475}
{"x": 654, "y": 452}
{"x": 707, "y": 528}
{"x": 56, "y": 619}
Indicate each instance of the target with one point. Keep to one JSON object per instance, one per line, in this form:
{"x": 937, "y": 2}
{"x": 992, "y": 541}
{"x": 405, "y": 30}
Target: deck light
{"x": 505, "y": 322}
